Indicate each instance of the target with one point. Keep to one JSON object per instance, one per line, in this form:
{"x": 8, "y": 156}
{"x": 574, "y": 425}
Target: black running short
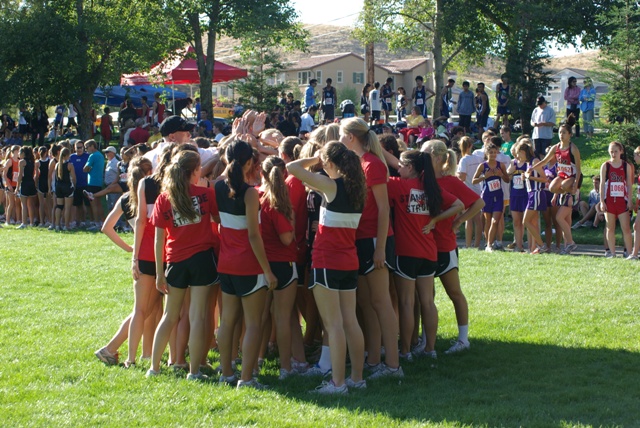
{"x": 198, "y": 270}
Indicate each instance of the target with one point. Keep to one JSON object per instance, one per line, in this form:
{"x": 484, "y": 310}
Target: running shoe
{"x": 22, "y": 226}
{"x": 571, "y": 247}
{"x": 284, "y": 373}
{"x": 179, "y": 367}
{"x": 625, "y": 253}
{"x": 373, "y": 367}
{"x": 387, "y": 371}
{"x": 330, "y": 388}
{"x": 489, "y": 249}
{"x": 152, "y": 373}
{"x": 129, "y": 364}
{"x": 407, "y": 357}
{"x": 418, "y": 347}
{"x": 511, "y": 246}
{"x": 107, "y": 357}
{"x": 632, "y": 257}
{"x": 88, "y": 195}
{"x": 577, "y": 226}
{"x": 315, "y": 370}
{"x": 609, "y": 255}
{"x": 498, "y": 246}
{"x": 198, "y": 377}
{"x": 253, "y": 383}
{"x": 228, "y": 380}
{"x": 431, "y": 354}
{"x": 457, "y": 346}
{"x": 587, "y": 224}
{"x": 351, "y": 384}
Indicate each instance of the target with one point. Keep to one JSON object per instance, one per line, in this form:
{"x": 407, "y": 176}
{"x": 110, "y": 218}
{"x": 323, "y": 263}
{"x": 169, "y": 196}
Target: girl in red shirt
{"x": 374, "y": 240}
{"x": 182, "y": 217}
{"x": 334, "y": 258}
{"x": 616, "y": 178}
{"x": 143, "y": 281}
{"x": 245, "y": 273}
{"x": 418, "y": 205}
{"x": 276, "y": 223}
{"x": 444, "y": 165}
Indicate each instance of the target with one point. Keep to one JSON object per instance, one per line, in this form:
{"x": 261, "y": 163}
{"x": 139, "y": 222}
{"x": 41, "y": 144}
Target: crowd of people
{"x": 238, "y": 236}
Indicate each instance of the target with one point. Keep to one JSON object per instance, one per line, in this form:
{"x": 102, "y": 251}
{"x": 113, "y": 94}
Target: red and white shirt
{"x": 443, "y": 233}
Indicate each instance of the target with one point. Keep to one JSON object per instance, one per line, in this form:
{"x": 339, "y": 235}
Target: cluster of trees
{"x": 57, "y": 51}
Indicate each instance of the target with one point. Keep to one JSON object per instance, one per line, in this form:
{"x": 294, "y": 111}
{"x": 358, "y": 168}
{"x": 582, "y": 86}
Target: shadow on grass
{"x": 501, "y": 383}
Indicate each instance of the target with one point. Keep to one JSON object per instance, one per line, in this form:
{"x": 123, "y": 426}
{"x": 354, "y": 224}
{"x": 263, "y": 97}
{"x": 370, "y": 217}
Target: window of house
{"x": 303, "y": 77}
{"x": 214, "y": 91}
{"x": 358, "y": 78}
{"x": 282, "y": 77}
{"x": 339, "y": 76}
{"x": 319, "y": 76}
{"x": 224, "y": 91}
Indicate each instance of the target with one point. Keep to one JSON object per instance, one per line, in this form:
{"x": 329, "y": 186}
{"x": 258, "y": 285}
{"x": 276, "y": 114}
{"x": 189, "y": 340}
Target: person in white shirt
{"x": 543, "y": 119}
{"x": 306, "y": 120}
{"x": 72, "y": 116}
{"x": 217, "y": 130}
{"x": 374, "y": 102}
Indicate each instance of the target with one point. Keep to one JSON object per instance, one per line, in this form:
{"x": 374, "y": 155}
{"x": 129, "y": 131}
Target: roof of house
{"x": 318, "y": 60}
{"x": 401, "y": 65}
{"x": 580, "y": 71}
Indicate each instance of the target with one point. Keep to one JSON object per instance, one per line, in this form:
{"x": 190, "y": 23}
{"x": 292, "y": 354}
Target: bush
{"x": 627, "y": 134}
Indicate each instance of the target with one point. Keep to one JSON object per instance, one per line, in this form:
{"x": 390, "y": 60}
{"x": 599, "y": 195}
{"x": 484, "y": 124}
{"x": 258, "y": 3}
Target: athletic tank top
{"x": 534, "y": 186}
{"x": 123, "y": 169}
{"x": 236, "y": 254}
{"x": 492, "y": 185}
{"x": 12, "y": 174}
{"x": 328, "y": 96}
{"x": 334, "y": 246}
{"x": 126, "y": 208}
{"x": 386, "y": 94}
{"x": 151, "y": 192}
{"x": 66, "y": 175}
{"x": 566, "y": 165}
{"x": 616, "y": 184}
{"x": 27, "y": 176}
{"x": 517, "y": 180}
{"x": 421, "y": 95}
{"x": 503, "y": 93}
{"x": 43, "y": 178}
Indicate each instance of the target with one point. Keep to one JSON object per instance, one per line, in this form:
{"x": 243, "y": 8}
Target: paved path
{"x": 583, "y": 250}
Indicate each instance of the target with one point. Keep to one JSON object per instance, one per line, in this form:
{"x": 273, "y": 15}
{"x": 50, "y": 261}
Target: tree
{"x": 201, "y": 21}
{"x": 261, "y": 52}
{"x": 620, "y": 61}
{"x": 525, "y": 30}
{"x": 59, "y": 51}
{"x": 451, "y": 31}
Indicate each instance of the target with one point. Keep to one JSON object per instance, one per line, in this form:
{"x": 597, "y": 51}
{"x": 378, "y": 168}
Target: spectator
{"x": 73, "y": 113}
{"x": 591, "y": 214}
{"x": 106, "y": 124}
{"x": 587, "y": 105}
{"x": 543, "y": 119}
{"x": 572, "y": 98}
{"x": 307, "y": 123}
{"x": 310, "y": 94}
{"x": 95, "y": 170}
{"x": 140, "y": 134}
{"x": 204, "y": 125}
{"x": 111, "y": 174}
{"x": 78, "y": 160}
{"x": 173, "y": 129}
{"x": 39, "y": 125}
{"x": 145, "y": 110}
{"x": 157, "y": 109}
{"x": 217, "y": 130}
{"x": 465, "y": 107}
{"x": 289, "y": 127}
{"x": 198, "y": 109}
{"x": 374, "y": 102}
{"x": 59, "y": 118}
{"x": 181, "y": 104}
{"x": 128, "y": 113}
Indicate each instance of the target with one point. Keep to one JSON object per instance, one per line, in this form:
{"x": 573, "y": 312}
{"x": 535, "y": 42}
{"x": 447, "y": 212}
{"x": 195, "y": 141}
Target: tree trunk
{"x": 85, "y": 124}
{"x": 369, "y": 63}
{"x": 438, "y": 72}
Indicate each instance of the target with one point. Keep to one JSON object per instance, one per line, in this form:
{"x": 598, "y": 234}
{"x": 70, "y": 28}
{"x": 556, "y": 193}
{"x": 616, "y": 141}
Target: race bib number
{"x": 123, "y": 176}
{"x": 328, "y": 101}
{"x": 616, "y": 189}
{"x": 387, "y": 100}
{"x": 517, "y": 182}
{"x": 565, "y": 169}
{"x": 493, "y": 185}
{"x": 417, "y": 203}
{"x": 15, "y": 176}
{"x": 419, "y": 101}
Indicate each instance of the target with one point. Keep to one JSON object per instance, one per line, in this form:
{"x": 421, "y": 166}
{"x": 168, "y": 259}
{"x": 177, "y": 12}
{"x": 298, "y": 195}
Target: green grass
{"x": 555, "y": 342}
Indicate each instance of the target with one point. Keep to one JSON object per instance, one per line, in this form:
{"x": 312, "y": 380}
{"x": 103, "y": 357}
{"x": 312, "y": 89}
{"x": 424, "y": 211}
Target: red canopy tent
{"x": 182, "y": 70}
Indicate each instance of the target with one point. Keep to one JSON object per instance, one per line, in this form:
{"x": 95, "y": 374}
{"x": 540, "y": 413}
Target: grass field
{"x": 555, "y": 342}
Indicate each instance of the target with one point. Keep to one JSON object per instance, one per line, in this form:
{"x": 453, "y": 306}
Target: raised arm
{"x": 108, "y": 227}
{"x": 319, "y": 182}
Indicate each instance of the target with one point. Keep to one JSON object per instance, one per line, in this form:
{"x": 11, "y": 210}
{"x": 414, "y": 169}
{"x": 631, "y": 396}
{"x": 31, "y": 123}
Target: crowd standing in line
{"x": 239, "y": 233}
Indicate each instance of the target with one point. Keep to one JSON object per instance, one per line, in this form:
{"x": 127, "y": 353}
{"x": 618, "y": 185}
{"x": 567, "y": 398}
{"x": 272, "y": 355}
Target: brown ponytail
{"x": 276, "y": 192}
{"x": 348, "y": 164}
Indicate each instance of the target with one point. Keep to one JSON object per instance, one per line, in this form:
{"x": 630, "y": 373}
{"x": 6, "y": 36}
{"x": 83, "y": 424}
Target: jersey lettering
{"x": 417, "y": 202}
{"x": 179, "y": 221}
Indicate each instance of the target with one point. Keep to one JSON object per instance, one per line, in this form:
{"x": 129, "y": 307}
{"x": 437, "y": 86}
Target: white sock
{"x": 325, "y": 359}
{"x": 463, "y": 333}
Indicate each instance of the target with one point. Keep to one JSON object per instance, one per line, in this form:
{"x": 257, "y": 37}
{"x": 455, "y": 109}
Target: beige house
{"x": 347, "y": 70}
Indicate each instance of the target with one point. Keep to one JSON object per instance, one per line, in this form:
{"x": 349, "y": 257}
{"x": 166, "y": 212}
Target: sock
{"x": 325, "y": 359}
{"x": 463, "y": 333}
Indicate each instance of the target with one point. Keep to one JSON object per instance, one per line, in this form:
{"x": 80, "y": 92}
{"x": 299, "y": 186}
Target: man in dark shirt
{"x": 127, "y": 113}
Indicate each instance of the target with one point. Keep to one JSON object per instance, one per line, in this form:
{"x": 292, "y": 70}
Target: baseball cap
{"x": 110, "y": 149}
{"x": 173, "y": 124}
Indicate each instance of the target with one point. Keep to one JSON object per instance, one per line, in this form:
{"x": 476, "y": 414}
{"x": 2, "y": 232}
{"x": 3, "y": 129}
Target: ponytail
{"x": 445, "y": 157}
{"x": 369, "y": 140}
{"x": 64, "y": 154}
{"x": 348, "y": 164}
{"x": 291, "y": 147}
{"x": 277, "y": 193}
{"x": 450, "y": 164}
{"x": 238, "y": 154}
{"x": 139, "y": 168}
{"x": 423, "y": 166}
{"x": 176, "y": 182}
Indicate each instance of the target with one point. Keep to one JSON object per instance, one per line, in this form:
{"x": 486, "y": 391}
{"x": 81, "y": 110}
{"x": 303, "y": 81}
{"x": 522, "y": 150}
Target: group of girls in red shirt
{"x": 374, "y": 237}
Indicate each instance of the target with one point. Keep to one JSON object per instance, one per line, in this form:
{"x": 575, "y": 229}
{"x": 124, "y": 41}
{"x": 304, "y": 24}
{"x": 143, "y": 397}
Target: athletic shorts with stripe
{"x": 285, "y": 272}
{"x": 447, "y": 262}
{"x": 196, "y": 271}
{"x": 367, "y": 246}
{"x": 414, "y": 267}
{"x": 338, "y": 280}
{"x": 242, "y": 285}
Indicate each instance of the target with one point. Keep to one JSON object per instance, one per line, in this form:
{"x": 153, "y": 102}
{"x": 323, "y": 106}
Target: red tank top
{"x": 566, "y": 163}
{"x": 616, "y": 185}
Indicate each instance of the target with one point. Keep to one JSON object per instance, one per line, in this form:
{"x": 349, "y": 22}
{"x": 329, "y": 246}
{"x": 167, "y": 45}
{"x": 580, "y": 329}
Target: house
{"x": 555, "y": 92}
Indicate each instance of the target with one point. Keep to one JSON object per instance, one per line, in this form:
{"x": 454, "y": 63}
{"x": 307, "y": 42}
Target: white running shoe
{"x": 355, "y": 385}
{"x": 330, "y": 388}
{"x": 457, "y": 346}
{"x": 253, "y": 383}
{"x": 387, "y": 371}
